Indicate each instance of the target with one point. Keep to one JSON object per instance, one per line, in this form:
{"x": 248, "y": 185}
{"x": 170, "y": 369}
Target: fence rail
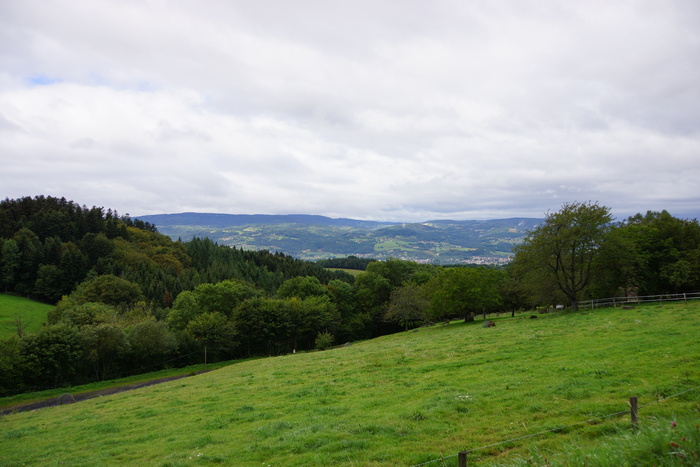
{"x": 627, "y": 301}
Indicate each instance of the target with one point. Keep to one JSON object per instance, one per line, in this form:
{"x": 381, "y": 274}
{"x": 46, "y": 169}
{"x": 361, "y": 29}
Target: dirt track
{"x": 89, "y": 395}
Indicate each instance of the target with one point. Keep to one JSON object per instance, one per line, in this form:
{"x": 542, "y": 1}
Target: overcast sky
{"x": 400, "y": 110}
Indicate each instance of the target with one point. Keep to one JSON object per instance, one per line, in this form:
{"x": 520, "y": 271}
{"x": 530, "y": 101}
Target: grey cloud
{"x": 84, "y": 143}
{"x": 356, "y": 109}
{"x": 8, "y": 126}
{"x": 165, "y": 132}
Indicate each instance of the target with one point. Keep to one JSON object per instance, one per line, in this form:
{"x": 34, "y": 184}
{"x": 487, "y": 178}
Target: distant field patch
{"x": 393, "y": 245}
{"x": 354, "y": 272}
{"x": 31, "y": 313}
{"x": 447, "y": 248}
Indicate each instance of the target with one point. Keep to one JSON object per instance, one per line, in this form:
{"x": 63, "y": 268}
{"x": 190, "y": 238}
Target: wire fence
{"x": 557, "y": 429}
{"x": 634, "y": 300}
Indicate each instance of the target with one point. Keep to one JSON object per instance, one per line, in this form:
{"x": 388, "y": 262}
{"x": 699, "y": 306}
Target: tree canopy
{"x": 561, "y": 252}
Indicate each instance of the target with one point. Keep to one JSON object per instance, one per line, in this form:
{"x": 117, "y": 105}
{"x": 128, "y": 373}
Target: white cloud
{"x": 376, "y": 110}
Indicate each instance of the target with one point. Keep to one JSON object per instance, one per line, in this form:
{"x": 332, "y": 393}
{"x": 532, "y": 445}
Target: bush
{"x": 324, "y": 340}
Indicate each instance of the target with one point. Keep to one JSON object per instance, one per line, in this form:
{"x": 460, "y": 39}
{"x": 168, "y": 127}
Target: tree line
{"x": 580, "y": 253}
{"x": 131, "y": 300}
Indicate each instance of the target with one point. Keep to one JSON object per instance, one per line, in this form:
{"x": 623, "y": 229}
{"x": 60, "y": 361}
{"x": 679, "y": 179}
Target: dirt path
{"x": 88, "y": 395}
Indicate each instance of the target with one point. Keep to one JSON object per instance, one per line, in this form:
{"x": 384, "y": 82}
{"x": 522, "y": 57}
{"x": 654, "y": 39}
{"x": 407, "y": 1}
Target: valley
{"x": 317, "y": 237}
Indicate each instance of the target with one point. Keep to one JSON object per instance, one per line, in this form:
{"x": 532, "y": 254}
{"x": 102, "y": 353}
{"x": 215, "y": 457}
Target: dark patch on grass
{"x": 106, "y": 428}
{"x": 218, "y": 422}
{"x": 213, "y": 398}
{"x": 146, "y": 413}
{"x": 147, "y": 438}
{"x": 205, "y": 441}
{"x": 416, "y": 416}
{"x": 318, "y": 391}
{"x": 334, "y": 411}
{"x": 17, "y": 434}
{"x": 214, "y": 459}
{"x": 373, "y": 430}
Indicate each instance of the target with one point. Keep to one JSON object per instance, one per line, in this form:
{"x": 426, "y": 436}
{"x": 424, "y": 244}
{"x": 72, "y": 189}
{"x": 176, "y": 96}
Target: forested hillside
{"x": 115, "y": 280}
{"x": 129, "y": 299}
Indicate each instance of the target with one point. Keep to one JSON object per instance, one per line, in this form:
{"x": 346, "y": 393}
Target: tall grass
{"x": 403, "y": 399}
{"x": 670, "y": 441}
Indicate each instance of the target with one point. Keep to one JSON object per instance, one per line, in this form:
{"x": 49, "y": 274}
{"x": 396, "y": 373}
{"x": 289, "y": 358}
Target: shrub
{"x": 324, "y": 340}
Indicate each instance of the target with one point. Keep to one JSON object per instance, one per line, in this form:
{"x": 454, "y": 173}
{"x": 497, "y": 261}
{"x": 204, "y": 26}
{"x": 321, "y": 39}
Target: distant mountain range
{"x": 237, "y": 220}
{"x": 318, "y": 237}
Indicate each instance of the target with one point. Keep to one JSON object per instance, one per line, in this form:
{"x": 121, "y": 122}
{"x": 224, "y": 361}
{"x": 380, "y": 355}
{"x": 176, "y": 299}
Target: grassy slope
{"x": 397, "y": 400}
{"x": 32, "y": 313}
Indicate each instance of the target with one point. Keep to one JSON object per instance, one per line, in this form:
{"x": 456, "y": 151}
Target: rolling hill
{"x": 524, "y": 390}
{"x": 318, "y": 237}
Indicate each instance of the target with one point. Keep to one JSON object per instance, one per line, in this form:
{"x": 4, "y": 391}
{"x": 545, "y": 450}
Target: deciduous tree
{"x": 214, "y": 332}
{"x": 150, "y": 342}
{"x": 302, "y": 287}
{"x": 668, "y": 252}
{"x": 407, "y": 305}
{"x": 263, "y": 325}
{"x": 563, "y": 249}
{"x": 465, "y": 291}
{"x": 52, "y": 356}
{"x": 105, "y": 345}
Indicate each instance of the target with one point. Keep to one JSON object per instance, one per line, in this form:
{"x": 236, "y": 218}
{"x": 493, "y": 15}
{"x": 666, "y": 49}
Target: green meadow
{"x": 522, "y": 392}
{"x": 31, "y": 314}
{"x": 354, "y": 272}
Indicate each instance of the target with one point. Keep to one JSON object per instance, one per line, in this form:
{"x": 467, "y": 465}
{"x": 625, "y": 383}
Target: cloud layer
{"x": 366, "y": 109}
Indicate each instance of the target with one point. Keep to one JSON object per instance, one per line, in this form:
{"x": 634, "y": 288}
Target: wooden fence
{"x": 630, "y": 301}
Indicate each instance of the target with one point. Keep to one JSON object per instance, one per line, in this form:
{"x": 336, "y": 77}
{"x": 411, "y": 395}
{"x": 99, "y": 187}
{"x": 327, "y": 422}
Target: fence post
{"x": 634, "y": 408}
{"x": 685, "y": 298}
{"x": 462, "y": 459}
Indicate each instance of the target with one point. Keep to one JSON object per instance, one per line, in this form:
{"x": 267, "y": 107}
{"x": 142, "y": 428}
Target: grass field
{"x": 354, "y": 272}
{"x": 528, "y": 388}
{"x": 31, "y": 313}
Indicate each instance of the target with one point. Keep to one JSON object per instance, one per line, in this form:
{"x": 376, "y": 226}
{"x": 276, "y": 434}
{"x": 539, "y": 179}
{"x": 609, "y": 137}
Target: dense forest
{"x": 349, "y": 262}
{"x": 129, "y": 299}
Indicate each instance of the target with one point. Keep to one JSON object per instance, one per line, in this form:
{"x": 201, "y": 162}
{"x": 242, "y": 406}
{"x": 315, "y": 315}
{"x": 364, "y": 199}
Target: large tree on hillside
{"x": 562, "y": 250}
{"x": 465, "y": 291}
{"x": 408, "y": 304}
